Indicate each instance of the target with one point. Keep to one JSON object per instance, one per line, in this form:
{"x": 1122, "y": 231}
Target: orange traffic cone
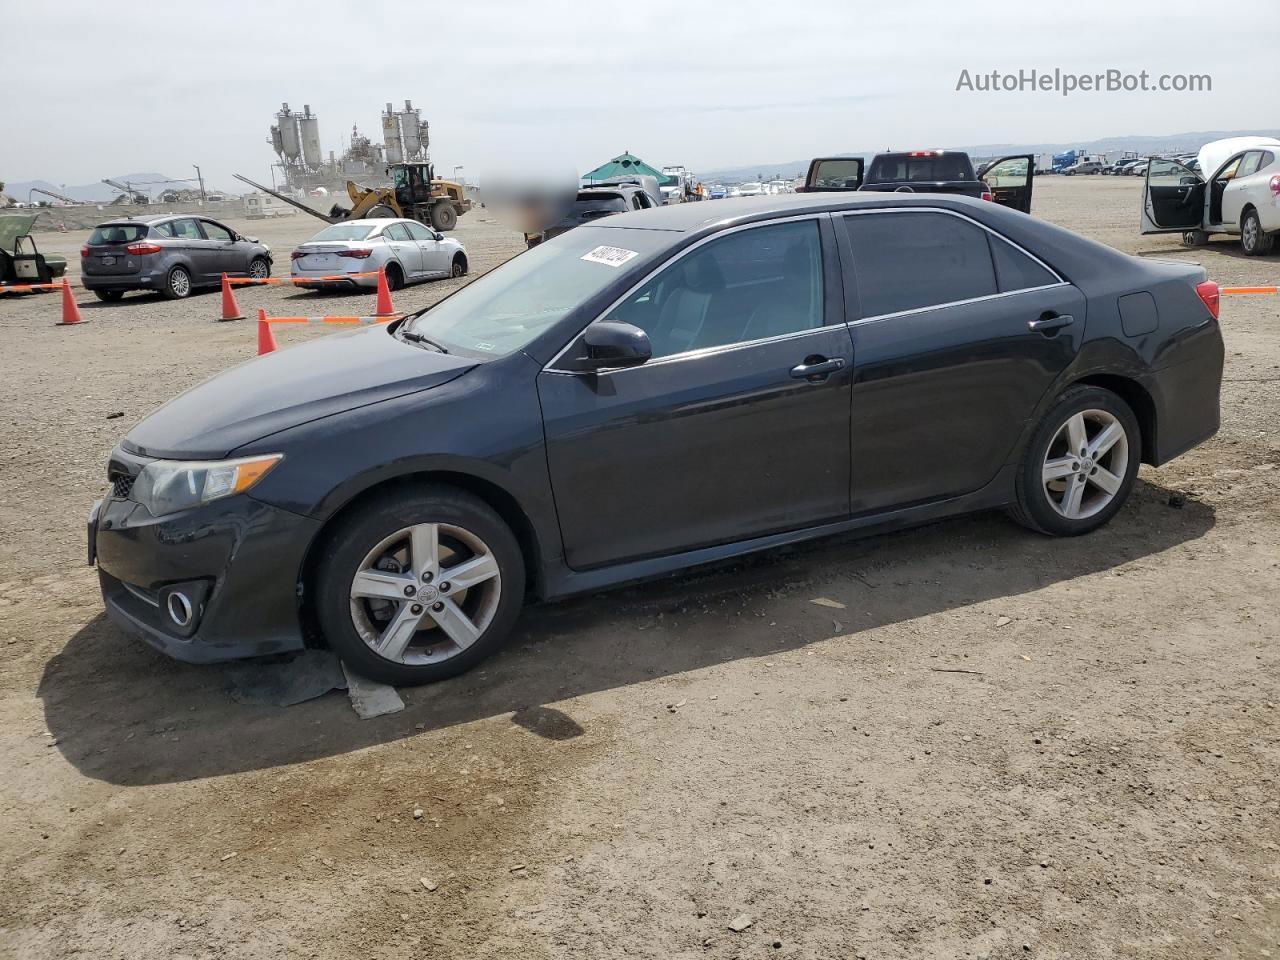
{"x": 266, "y": 338}
{"x": 70, "y": 309}
{"x": 384, "y": 307}
{"x": 230, "y": 309}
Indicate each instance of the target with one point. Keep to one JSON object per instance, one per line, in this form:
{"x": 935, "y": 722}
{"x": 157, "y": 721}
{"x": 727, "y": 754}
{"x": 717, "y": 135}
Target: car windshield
{"x": 504, "y": 310}
{"x": 118, "y": 233}
{"x": 343, "y": 231}
{"x": 894, "y": 168}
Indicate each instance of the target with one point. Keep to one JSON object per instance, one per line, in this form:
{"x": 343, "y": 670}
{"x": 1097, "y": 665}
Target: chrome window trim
{"x": 705, "y": 351}
{"x": 954, "y": 303}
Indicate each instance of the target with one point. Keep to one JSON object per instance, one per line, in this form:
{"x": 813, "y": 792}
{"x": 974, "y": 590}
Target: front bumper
{"x": 235, "y": 561}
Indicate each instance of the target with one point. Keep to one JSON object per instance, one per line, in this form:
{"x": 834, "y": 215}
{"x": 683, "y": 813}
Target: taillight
{"x": 141, "y": 248}
{"x": 84, "y": 251}
{"x": 1208, "y": 292}
{"x": 986, "y": 195}
{"x": 357, "y": 254}
{"x": 298, "y": 254}
{"x": 1275, "y": 185}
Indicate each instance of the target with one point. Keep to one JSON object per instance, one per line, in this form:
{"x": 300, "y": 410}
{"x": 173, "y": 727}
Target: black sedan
{"x": 634, "y": 397}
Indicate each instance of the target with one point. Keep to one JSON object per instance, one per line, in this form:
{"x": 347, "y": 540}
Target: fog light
{"x": 180, "y": 608}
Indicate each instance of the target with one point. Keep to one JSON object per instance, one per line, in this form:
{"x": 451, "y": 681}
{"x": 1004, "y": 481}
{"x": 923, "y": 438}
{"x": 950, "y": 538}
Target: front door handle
{"x": 817, "y": 369}
{"x": 1051, "y": 324}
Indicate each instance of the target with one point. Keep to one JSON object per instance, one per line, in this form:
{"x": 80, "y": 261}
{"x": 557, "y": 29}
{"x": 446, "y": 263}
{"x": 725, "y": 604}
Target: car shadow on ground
{"x": 125, "y": 714}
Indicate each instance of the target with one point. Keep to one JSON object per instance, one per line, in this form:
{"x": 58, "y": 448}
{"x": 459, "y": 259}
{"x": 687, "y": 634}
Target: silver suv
{"x": 173, "y": 254}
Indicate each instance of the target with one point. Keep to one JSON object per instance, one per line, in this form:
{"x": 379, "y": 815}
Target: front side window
{"x": 749, "y": 285}
{"x": 912, "y": 260}
{"x": 216, "y": 231}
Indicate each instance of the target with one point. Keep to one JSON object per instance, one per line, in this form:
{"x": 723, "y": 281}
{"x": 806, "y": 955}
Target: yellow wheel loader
{"x": 414, "y": 195}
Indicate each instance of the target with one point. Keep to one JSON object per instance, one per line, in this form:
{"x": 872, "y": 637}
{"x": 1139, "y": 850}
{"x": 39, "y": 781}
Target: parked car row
{"x": 177, "y": 254}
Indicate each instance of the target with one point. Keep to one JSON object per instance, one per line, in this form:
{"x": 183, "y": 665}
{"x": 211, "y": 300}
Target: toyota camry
{"x": 642, "y": 394}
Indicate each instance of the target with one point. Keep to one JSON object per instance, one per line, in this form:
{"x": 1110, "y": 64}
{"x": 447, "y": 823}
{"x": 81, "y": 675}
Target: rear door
{"x": 833, "y": 175}
{"x": 1240, "y": 187}
{"x": 1010, "y": 179}
{"x": 1172, "y": 198}
{"x": 435, "y": 258}
{"x": 192, "y": 249}
{"x": 957, "y": 335}
{"x": 739, "y": 424}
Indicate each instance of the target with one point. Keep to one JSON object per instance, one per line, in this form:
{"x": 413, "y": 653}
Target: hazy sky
{"x": 159, "y": 87}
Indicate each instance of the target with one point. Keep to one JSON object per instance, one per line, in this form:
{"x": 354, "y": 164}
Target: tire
{"x": 371, "y": 557}
{"x": 443, "y": 217}
{"x": 1195, "y": 238}
{"x": 459, "y": 266}
{"x": 380, "y": 212}
{"x": 108, "y": 296}
{"x": 1047, "y": 505}
{"x": 395, "y": 277}
{"x": 259, "y": 269}
{"x": 177, "y": 285}
{"x": 1253, "y": 239}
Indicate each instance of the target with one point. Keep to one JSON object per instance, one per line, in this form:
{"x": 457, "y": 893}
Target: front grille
{"x": 121, "y": 485}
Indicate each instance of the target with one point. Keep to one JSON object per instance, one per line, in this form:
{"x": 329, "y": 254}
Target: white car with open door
{"x": 1239, "y": 195}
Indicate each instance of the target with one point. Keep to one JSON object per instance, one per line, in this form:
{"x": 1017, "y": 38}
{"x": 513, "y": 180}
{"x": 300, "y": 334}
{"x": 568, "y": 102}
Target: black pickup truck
{"x": 1006, "y": 180}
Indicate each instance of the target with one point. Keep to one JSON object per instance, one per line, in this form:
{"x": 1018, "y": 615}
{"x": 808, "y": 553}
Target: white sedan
{"x": 410, "y": 252}
{"x": 1241, "y": 196}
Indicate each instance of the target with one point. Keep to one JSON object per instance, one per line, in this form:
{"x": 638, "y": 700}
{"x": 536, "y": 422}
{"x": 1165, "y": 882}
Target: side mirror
{"x": 439, "y": 235}
{"x": 613, "y": 344}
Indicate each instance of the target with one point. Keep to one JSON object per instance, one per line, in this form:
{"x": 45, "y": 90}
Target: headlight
{"x": 166, "y": 486}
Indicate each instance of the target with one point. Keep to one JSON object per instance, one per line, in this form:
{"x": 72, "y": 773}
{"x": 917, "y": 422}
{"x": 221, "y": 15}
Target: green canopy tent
{"x": 627, "y": 165}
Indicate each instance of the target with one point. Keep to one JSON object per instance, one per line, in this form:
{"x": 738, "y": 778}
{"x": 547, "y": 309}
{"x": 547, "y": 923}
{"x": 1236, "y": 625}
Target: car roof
{"x": 374, "y": 221}
{"x": 155, "y": 218}
{"x": 686, "y": 217}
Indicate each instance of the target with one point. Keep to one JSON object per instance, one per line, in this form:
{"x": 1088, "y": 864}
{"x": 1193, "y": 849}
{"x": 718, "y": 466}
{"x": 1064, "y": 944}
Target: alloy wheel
{"x": 425, "y": 594}
{"x": 1085, "y": 464}
{"x": 1250, "y": 238}
{"x": 258, "y": 270}
{"x": 180, "y": 282}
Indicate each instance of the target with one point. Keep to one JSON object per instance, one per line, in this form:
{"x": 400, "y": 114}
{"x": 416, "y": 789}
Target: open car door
{"x": 1009, "y": 180}
{"x": 833, "y": 175}
{"x": 1172, "y": 198}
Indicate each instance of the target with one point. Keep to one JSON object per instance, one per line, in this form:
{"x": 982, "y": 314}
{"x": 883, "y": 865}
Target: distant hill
{"x": 1174, "y": 142}
{"x": 149, "y": 183}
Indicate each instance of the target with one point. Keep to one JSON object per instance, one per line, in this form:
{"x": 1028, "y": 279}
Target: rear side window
{"x": 892, "y": 168}
{"x": 418, "y": 231}
{"x": 396, "y": 231}
{"x": 1250, "y": 164}
{"x": 906, "y": 261}
{"x": 185, "y": 230}
{"x": 1015, "y": 270}
{"x": 118, "y": 233}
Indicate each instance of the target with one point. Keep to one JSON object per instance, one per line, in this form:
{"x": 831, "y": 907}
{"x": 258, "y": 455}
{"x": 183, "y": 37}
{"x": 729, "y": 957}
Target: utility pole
{"x": 200, "y": 177}
{"x": 455, "y": 172}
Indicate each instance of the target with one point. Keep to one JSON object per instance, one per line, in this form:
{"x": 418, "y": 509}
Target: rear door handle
{"x": 1050, "y": 324}
{"x": 817, "y": 369}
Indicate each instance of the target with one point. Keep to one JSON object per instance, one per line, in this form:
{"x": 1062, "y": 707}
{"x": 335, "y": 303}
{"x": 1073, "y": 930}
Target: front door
{"x": 1009, "y": 179}
{"x": 739, "y": 424}
{"x": 1172, "y": 198}
{"x": 221, "y": 247}
{"x": 957, "y": 336}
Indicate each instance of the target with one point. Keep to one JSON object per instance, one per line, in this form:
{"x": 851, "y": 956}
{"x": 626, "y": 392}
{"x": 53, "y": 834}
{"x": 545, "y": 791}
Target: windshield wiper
{"x": 412, "y": 336}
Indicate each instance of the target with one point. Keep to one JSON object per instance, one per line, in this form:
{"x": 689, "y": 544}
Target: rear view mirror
{"x": 613, "y": 344}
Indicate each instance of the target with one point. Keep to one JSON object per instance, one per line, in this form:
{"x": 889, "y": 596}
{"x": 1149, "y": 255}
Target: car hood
{"x": 288, "y": 388}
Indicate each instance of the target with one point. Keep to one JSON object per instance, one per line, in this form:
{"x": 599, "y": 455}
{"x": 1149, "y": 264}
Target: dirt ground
{"x": 961, "y": 741}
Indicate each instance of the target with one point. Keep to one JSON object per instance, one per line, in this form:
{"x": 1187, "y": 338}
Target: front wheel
{"x": 259, "y": 269}
{"x": 1253, "y": 240}
{"x": 419, "y": 586}
{"x": 1080, "y": 465}
{"x": 459, "y": 267}
{"x": 1195, "y": 238}
{"x": 443, "y": 217}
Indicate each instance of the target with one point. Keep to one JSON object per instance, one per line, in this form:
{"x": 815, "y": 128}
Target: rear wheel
{"x": 1253, "y": 239}
{"x": 177, "y": 285}
{"x": 395, "y": 276}
{"x": 380, "y": 212}
{"x": 443, "y": 217}
{"x": 1080, "y": 465}
{"x": 419, "y": 586}
{"x": 108, "y": 296}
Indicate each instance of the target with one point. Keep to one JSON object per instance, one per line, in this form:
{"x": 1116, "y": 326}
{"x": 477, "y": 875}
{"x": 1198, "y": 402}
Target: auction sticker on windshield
{"x": 610, "y": 256}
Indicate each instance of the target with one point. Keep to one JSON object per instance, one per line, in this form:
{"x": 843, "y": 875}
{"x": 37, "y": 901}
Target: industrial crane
{"x": 129, "y": 194}
{"x": 50, "y": 193}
